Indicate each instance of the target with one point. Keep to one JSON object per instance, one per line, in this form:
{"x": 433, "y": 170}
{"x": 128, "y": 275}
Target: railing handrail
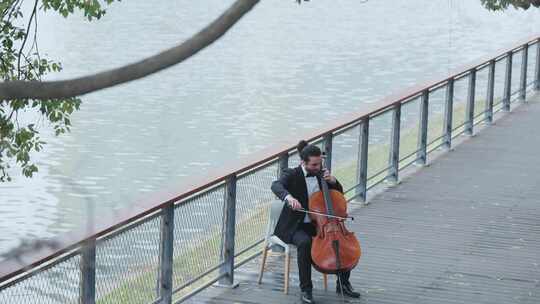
{"x": 76, "y": 238}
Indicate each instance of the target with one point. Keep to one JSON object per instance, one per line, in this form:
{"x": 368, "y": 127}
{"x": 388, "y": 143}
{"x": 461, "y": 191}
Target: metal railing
{"x": 170, "y": 251}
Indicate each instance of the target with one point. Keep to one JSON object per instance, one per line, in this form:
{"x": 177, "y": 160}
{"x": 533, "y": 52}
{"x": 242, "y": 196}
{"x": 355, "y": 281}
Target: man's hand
{"x": 293, "y": 203}
{"x": 329, "y": 178}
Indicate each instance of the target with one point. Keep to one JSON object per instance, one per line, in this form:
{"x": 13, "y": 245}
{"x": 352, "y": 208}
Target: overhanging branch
{"x": 158, "y": 62}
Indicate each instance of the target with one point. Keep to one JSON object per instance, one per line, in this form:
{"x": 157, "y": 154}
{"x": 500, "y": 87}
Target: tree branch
{"x": 163, "y": 60}
{"x": 25, "y": 38}
{"x": 11, "y": 9}
{"x": 34, "y": 44}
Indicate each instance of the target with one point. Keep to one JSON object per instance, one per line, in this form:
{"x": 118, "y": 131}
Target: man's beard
{"x": 313, "y": 171}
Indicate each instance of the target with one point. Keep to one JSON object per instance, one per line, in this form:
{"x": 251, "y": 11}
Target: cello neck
{"x": 326, "y": 194}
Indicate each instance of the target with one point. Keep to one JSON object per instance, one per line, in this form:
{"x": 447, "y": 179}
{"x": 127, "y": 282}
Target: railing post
{"x": 421, "y": 155}
{"x": 361, "y": 176}
{"x": 537, "y": 76}
{"x": 166, "y": 254}
{"x": 327, "y": 146}
{"x": 490, "y": 92}
{"x": 229, "y": 221}
{"x": 470, "y": 103}
{"x": 88, "y": 273}
{"x": 283, "y": 163}
{"x": 393, "y": 160}
{"x": 448, "y": 115}
{"x": 523, "y": 79}
{"x": 508, "y": 82}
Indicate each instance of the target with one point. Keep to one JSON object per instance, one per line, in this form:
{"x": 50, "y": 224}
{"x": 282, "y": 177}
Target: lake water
{"x": 284, "y": 69}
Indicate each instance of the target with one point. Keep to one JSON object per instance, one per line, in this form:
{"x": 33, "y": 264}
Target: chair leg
{"x": 325, "y": 281}
{"x": 265, "y": 253}
{"x": 287, "y": 268}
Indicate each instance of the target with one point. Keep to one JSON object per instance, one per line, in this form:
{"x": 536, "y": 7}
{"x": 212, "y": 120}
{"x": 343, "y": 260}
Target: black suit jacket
{"x": 292, "y": 181}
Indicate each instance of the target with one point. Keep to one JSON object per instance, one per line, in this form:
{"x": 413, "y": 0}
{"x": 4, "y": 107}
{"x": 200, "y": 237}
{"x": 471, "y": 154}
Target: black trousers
{"x": 302, "y": 240}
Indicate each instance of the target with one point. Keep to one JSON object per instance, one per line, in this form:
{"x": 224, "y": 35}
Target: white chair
{"x": 271, "y": 240}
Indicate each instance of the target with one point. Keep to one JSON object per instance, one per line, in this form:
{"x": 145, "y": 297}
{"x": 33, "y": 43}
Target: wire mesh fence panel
{"x": 127, "y": 264}
{"x": 294, "y": 159}
{"x": 480, "y": 96}
{"x": 517, "y": 61}
{"x": 531, "y": 64}
{"x": 379, "y": 146}
{"x": 253, "y": 198}
{"x": 437, "y": 101}
{"x": 198, "y": 237}
{"x": 345, "y": 151}
{"x": 57, "y": 283}
{"x": 410, "y": 121}
{"x": 498, "y": 95}
{"x": 461, "y": 89}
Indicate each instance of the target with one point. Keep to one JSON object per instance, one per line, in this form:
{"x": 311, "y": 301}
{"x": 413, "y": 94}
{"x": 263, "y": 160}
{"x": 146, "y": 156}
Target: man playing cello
{"x": 294, "y": 187}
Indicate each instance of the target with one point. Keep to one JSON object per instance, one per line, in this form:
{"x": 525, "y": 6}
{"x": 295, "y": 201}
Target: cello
{"x": 334, "y": 249}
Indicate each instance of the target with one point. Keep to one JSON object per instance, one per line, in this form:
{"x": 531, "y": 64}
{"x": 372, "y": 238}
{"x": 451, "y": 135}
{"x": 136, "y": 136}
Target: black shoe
{"x": 348, "y": 291}
{"x": 307, "y": 297}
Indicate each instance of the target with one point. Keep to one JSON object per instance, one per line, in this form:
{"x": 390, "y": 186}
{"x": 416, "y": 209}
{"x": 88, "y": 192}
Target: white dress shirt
{"x": 312, "y": 187}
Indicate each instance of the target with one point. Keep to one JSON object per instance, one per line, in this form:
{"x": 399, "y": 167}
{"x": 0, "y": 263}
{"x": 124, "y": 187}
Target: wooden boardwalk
{"x": 466, "y": 229}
